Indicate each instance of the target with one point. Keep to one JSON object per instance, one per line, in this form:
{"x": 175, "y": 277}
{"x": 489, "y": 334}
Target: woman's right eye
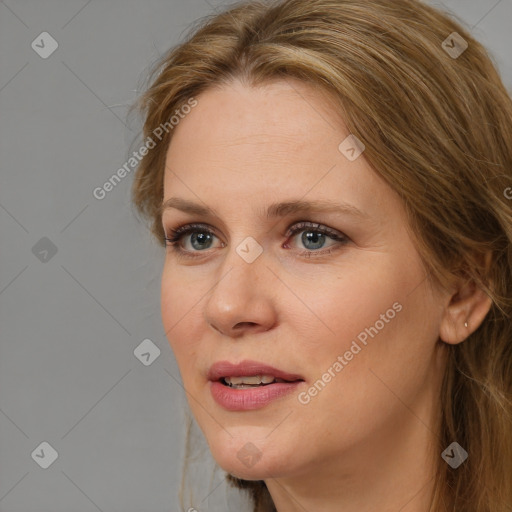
{"x": 201, "y": 237}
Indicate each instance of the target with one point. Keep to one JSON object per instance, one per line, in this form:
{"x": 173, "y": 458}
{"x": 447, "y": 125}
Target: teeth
{"x": 253, "y": 380}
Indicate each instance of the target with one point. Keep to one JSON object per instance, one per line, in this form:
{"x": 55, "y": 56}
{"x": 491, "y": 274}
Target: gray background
{"x": 70, "y": 324}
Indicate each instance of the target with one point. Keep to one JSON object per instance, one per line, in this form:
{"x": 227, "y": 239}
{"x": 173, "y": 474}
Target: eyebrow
{"x": 274, "y": 210}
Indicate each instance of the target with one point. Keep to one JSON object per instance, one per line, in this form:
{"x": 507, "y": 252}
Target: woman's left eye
{"x": 313, "y": 237}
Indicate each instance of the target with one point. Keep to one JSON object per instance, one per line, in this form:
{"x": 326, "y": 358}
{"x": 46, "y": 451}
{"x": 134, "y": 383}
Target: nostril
{"x": 244, "y": 324}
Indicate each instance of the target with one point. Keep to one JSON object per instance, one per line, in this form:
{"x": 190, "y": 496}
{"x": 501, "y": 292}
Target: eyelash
{"x": 175, "y": 235}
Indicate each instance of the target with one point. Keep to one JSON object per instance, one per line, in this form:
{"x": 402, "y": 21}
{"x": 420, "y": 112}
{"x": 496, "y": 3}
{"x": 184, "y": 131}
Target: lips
{"x": 222, "y": 369}
{"x": 242, "y": 397}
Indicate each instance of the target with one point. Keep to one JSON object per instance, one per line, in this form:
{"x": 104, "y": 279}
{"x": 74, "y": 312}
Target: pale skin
{"x": 363, "y": 443}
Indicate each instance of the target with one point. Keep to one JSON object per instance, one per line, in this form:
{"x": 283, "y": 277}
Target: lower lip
{"x": 234, "y": 399}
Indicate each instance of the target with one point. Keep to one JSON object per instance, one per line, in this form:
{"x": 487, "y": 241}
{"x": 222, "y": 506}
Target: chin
{"x": 246, "y": 474}
{"x": 250, "y": 460}
{"x": 260, "y": 471}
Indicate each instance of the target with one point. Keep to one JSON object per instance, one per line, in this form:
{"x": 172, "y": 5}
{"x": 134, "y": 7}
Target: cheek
{"x": 336, "y": 307}
{"x": 180, "y": 295}
{"x": 386, "y": 348}
{"x": 180, "y": 307}
{"x": 369, "y": 316}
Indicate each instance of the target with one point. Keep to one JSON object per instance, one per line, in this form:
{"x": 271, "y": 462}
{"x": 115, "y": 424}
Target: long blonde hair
{"x": 437, "y": 126}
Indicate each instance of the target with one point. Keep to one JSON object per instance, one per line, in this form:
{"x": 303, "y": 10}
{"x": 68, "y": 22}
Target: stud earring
{"x": 465, "y": 324}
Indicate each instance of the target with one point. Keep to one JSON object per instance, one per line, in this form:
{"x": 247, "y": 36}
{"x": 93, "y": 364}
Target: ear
{"x": 470, "y": 304}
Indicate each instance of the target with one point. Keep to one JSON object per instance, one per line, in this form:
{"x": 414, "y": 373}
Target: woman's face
{"x": 342, "y": 306}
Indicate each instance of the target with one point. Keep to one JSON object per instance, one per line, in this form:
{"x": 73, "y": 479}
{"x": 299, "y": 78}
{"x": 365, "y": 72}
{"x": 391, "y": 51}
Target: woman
{"x": 330, "y": 182}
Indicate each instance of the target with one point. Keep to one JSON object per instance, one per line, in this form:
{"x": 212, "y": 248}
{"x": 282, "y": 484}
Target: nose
{"x": 241, "y": 301}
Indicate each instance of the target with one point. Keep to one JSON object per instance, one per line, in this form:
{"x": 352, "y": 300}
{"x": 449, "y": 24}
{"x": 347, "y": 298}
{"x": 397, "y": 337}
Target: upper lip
{"x": 247, "y": 368}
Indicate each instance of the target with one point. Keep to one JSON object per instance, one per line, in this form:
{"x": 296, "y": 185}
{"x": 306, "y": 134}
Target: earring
{"x": 465, "y": 324}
